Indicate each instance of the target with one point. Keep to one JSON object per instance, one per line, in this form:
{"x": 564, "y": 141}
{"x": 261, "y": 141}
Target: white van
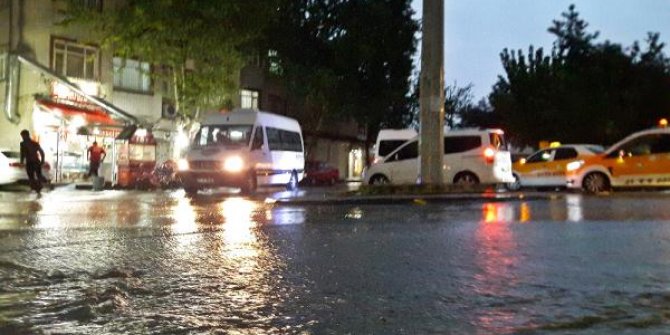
{"x": 389, "y": 140}
{"x": 471, "y": 156}
{"x": 244, "y": 148}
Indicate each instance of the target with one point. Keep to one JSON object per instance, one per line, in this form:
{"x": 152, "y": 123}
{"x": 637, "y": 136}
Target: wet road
{"x": 160, "y": 263}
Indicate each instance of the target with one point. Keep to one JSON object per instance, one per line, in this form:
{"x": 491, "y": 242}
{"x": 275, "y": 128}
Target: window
{"x": 132, "y": 74}
{"x": 456, "y": 144}
{"x": 249, "y": 99}
{"x": 540, "y": 156}
{"x": 409, "y": 151}
{"x": 498, "y": 141}
{"x": 283, "y": 140}
{"x": 639, "y": 146}
{"x": 565, "y": 153}
{"x": 387, "y": 146}
{"x": 229, "y": 135}
{"x": 662, "y": 145}
{"x": 258, "y": 139}
{"x": 75, "y": 60}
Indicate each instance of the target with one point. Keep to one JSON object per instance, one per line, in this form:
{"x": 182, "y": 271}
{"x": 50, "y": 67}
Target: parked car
{"x": 546, "y": 167}
{"x": 12, "y": 171}
{"x": 639, "y": 160}
{"x": 317, "y": 172}
{"x": 471, "y": 156}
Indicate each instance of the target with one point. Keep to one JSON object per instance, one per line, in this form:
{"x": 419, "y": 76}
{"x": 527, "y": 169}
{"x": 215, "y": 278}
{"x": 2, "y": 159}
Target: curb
{"x": 414, "y": 199}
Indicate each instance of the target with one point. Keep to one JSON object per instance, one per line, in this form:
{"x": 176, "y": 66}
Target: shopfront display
{"x": 136, "y": 156}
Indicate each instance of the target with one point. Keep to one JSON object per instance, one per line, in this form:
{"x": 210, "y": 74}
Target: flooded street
{"x": 161, "y": 263}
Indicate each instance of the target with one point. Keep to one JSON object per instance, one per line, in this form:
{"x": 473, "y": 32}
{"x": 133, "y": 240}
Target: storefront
{"x": 68, "y": 118}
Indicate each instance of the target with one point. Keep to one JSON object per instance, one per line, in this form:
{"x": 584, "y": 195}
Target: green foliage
{"x": 198, "y": 42}
{"x": 583, "y": 91}
{"x": 346, "y": 59}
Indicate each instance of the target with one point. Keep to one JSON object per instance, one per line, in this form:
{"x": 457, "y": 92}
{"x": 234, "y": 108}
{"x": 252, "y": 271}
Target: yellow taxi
{"x": 546, "y": 167}
{"x": 639, "y": 160}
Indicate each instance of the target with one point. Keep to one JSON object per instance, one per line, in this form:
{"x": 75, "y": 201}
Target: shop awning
{"x": 95, "y": 116}
{"x": 104, "y": 105}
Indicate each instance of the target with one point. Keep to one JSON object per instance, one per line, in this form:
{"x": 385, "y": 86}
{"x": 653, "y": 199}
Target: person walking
{"x": 95, "y": 155}
{"x": 33, "y": 155}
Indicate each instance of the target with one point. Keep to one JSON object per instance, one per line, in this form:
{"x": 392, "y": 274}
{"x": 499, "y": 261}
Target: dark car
{"x": 317, "y": 172}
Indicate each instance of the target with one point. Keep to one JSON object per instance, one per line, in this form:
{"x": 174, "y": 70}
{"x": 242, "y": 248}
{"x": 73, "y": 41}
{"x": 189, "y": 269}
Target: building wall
{"x": 35, "y": 24}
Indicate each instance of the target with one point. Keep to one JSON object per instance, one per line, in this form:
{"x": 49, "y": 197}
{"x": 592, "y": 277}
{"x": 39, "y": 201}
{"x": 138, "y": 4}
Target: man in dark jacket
{"x": 33, "y": 155}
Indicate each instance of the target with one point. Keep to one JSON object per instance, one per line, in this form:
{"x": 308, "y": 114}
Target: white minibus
{"x": 243, "y": 149}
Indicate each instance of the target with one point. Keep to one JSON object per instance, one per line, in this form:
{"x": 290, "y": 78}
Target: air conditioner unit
{"x": 169, "y": 112}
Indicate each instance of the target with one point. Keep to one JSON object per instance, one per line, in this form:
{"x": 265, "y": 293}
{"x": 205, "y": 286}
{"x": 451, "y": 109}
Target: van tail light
{"x": 489, "y": 155}
{"x": 16, "y": 164}
{"x": 46, "y": 166}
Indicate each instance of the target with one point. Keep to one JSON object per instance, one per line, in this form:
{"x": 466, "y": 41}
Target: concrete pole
{"x": 431, "y": 144}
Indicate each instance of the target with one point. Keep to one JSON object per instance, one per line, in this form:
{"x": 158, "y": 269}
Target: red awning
{"x": 95, "y": 116}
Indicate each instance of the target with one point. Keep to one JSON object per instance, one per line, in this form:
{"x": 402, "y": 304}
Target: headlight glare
{"x": 182, "y": 165}
{"x": 233, "y": 164}
{"x": 573, "y": 166}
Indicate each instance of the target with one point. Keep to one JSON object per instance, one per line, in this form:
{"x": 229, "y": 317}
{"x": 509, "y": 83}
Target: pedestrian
{"x": 95, "y": 155}
{"x": 33, "y": 155}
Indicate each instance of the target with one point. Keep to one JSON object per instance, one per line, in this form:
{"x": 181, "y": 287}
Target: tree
{"x": 584, "y": 91}
{"x": 198, "y": 42}
{"x": 346, "y": 60}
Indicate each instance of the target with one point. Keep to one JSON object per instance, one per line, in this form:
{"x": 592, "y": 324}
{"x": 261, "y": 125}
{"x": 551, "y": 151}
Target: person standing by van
{"x": 33, "y": 155}
{"x": 95, "y": 155}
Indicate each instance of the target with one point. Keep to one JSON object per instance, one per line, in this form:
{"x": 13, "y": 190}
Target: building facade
{"x": 59, "y": 84}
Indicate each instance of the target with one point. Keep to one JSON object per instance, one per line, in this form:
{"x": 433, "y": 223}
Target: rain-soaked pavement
{"x": 82, "y": 262}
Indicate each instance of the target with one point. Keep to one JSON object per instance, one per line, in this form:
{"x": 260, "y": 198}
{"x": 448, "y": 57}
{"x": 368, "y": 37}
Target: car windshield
{"x": 226, "y": 135}
{"x": 595, "y": 149}
{"x": 12, "y": 154}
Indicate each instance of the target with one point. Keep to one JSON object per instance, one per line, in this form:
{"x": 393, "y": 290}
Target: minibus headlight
{"x": 233, "y": 164}
{"x": 573, "y": 166}
{"x": 182, "y": 165}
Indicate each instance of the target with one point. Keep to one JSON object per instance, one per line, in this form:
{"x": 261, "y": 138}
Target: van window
{"x": 456, "y": 144}
{"x": 409, "y": 151}
{"x": 223, "y": 135}
{"x": 498, "y": 141}
{"x": 387, "y": 146}
{"x": 258, "y": 139}
{"x": 283, "y": 140}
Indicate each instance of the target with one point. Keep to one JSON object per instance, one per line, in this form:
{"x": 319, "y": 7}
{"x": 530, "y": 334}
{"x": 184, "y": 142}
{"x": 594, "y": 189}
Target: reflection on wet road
{"x": 132, "y": 262}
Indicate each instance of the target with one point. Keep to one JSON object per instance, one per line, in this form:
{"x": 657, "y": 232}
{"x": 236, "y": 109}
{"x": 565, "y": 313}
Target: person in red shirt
{"x": 33, "y": 155}
{"x": 95, "y": 155}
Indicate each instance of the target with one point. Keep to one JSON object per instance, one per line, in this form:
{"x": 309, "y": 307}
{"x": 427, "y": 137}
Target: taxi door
{"x": 638, "y": 162}
{"x": 536, "y": 168}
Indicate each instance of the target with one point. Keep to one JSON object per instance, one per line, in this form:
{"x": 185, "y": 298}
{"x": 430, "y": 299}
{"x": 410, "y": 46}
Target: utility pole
{"x": 431, "y": 147}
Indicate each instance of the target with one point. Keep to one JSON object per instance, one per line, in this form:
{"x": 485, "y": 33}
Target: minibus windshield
{"x": 226, "y": 135}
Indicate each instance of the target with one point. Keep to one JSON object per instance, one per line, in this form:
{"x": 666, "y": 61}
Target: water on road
{"x": 161, "y": 263}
